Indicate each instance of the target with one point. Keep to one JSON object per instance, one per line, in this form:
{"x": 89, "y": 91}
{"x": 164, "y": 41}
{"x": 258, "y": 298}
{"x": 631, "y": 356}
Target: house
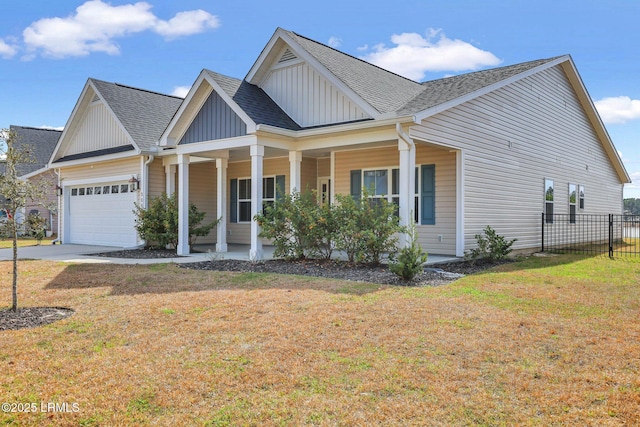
{"x": 456, "y": 154}
{"x": 41, "y": 143}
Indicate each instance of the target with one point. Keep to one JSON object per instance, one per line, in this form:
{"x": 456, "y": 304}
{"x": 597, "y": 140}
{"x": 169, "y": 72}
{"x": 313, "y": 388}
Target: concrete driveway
{"x": 80, "y": 254}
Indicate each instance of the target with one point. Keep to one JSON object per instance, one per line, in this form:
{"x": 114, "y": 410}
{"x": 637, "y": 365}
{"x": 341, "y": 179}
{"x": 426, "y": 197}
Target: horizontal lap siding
{"x": 309, "y": 172}
{"x": 157, "y": 184}
{"x": 202, "y": 193}
{"x": 324, "y": 167}
{"x": 445, "y": 165}
{"x": 512, "y": 139}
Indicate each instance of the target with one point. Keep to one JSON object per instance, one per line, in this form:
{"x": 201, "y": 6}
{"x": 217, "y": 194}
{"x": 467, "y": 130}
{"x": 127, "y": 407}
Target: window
{"x": 268, "y": 192}
{"x": 106, "y": 189}
{"x": 124, "y": 188}
{"x": 573, "y": 199}
{"x": 244, "y": 200}
{"x": 548, "y": 200}
{"x": 80, "y": 191}
{"x": 581, "y": 196}
{"x": 376, "y": 182}
{"x": 97, "y": 190}
{"x": 74, "y": 191}
{"x": 89, "y": 191}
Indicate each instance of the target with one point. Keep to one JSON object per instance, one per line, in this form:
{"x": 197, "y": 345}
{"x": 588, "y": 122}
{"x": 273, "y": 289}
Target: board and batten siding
{"x": 99, "y": 130}
{"x": 512, "y": 139}
{"x": 123, "y": 167}
{"x": 445, "y": 198}
{"x": 215, "y": 120}
{"x": 308, "y": 98}
{"x": 241, "y": 232}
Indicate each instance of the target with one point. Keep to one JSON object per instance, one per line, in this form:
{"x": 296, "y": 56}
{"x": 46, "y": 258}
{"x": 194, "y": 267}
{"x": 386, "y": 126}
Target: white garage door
{"x": 102, "y": 214}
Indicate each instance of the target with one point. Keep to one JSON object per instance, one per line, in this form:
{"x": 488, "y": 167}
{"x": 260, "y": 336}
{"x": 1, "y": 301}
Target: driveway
{"x": 80, "y": 253}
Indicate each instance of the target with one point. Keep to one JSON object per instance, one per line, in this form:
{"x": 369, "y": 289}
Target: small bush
{"x": 491, "y": 246}
{"x": 410, "y": 260}
{"x": 158, "y": 223}
{"x": 36, "y": 226}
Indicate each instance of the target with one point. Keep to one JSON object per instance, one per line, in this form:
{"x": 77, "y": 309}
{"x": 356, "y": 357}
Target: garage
{"x": 102, "y": 214}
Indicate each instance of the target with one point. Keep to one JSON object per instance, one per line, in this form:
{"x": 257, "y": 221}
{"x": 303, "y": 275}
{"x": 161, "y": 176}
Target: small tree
{"x": 491, "y": 246}
{"x": 158, "y": 223}
{"x": 17, "y": 193}
{"x": 410, "y": 260}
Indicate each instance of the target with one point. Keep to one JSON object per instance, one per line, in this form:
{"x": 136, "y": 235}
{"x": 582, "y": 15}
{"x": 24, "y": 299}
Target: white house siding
{"x": 309, "y": 98}
{"x": 388, "y": 157}
{"x": 512, "y": 139}
{"x": 241, "y": 232}
{"x": 203, "y": 193}
{"x": 96, "y": 171}
{"x": 98, "y": 130}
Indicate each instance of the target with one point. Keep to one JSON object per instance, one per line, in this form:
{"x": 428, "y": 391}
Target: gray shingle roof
{"x": 41, "y": 144}
{"x": 254, "y": 101}
{"x": 144, "y": 114}
{"x": 382, "y": 89}
{"x": 436, "y": 92}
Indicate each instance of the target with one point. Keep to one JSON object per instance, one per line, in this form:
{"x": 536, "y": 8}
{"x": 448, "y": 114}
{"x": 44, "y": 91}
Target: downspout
{"x": 57, "y": 239}
{"x": 145, "y": 181}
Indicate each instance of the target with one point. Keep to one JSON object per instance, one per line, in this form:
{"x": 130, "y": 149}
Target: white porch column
{"x": 405, "y": 177}
{"x": 170, "y": 179}
{"x": 183, "y": 204}
{"x": 257, "y": 156}
{"x": 221, "y": 169}
{"x": 295, "y": 160}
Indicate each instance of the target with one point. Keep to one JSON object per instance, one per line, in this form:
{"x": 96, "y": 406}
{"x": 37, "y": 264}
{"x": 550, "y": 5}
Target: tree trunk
{"x": 15, "y": 266}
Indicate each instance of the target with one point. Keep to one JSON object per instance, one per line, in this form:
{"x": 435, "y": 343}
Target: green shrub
{"x": 36, "y": 226}
{"x": 410, "y": 260}
{"x": 491, "y": 246}
{"x": 158, "y": 223}
{"x": 298, "y": 226}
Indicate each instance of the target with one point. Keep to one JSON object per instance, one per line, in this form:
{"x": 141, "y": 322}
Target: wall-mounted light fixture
{"x": 58, "y": 190}
{"x": 135, "y": 183}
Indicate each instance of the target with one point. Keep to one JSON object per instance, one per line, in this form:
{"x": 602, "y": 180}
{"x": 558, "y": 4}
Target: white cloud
{"x": 335, "y": 42}
{"x": 6, "y": 50}
{"x": 96, "y": 24}
{"x": 181, "y": 91}
{"x": 414, "y": 55}
{"x": 619, "y": 109}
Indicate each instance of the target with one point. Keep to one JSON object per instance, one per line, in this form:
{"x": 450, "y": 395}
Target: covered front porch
{"x": 248, "y": 170}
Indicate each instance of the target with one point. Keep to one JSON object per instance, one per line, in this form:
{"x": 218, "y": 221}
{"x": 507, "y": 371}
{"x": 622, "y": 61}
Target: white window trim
{"x": 264, "y": 199}
{"x": 391, "y": 196}
{"x": 248, "y": 179}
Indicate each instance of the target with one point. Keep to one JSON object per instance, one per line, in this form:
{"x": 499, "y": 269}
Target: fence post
{"x": 542, "y": 231}
{"x": 610, "y": 235}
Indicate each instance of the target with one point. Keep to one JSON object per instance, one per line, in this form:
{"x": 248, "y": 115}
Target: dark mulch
{"x": 140, "y": 253}
{"x": 436, "y": 275}
{"x": 31, "y": 317}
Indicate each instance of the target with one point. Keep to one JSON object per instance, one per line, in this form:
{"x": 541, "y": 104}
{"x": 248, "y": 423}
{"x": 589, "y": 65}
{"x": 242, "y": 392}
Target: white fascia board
{"x": 96, "y": 159}
{"x": 101, "y": 179}
{"x": 421, "y": 115}
{"x": 300, "y": 52}
{"x": 251, "y": 125}
{"x": 34, "y": 173}
{"x": 164, "y": 138}
{"x": 70, "y": 120}
{"x": 120, "y": 125}
{"x": 592, "y": 113}
{"x": 332, "y": 129}
{"x": 216, "y": 145}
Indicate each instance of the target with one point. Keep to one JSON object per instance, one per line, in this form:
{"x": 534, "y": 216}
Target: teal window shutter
{"x": 428, "y": 195}
{"x": 280, "y": 190}
{"x": 233, "y": 211}
{"x": 356, "y": 184}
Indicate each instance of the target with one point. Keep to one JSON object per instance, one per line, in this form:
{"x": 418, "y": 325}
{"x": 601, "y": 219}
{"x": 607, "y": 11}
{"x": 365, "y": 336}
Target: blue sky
{"x": 48, "y": 49}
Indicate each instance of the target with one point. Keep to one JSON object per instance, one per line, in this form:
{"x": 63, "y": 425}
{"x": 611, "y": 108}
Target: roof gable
{"x": 109, "y": 116}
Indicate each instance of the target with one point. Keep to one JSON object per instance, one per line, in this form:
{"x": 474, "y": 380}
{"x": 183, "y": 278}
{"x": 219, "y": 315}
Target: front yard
{"x": 545, "y": 341}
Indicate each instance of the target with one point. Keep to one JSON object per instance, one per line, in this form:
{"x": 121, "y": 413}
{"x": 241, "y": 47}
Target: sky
{"x": 48, "y": 49}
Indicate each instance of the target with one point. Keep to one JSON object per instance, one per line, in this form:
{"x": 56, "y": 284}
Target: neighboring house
{"x": 456, "y": 154}
{"x": 40, "y": 143}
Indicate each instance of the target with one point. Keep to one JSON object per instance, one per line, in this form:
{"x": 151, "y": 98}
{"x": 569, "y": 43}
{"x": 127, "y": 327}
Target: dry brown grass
{"x": 552, "y": 341}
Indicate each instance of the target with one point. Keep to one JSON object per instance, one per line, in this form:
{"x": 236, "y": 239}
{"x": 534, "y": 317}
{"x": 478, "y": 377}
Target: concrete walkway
{"x": 81, "y": 254}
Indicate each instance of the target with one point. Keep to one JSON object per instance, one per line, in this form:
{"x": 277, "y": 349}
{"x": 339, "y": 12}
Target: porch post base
{"x": 221, "y": 247}
{"x": 255, "y": 254}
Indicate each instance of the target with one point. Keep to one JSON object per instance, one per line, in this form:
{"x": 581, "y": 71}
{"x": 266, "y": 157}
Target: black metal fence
{"x": 615, "y": 235}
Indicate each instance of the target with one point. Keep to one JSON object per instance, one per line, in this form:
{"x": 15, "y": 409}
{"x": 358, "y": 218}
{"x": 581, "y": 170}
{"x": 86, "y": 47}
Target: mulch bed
{"x": 31, "y": 317}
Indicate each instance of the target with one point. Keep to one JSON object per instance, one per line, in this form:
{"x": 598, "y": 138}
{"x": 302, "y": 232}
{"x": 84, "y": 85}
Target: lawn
{"x": 8, "y": 243}
{"x": 542, "y": 342}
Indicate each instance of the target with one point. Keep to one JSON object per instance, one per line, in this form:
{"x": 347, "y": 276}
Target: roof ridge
{"x": 135, "y": 88}
{"x": 354, "y": 57}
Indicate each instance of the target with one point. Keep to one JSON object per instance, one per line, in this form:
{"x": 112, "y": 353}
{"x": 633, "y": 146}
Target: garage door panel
{"x": 102, "y": 219}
